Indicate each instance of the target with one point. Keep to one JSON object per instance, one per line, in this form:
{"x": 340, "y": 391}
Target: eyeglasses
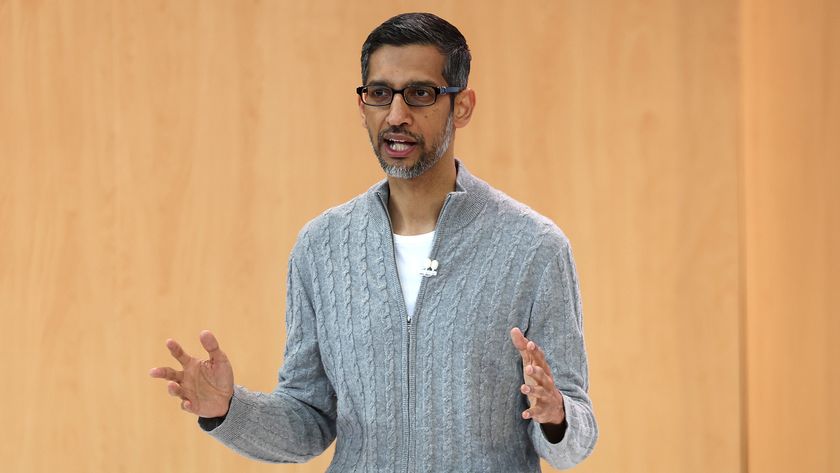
{"x": 414, "y": 95}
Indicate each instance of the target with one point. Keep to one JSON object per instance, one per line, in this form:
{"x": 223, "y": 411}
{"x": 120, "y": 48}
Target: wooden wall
{"x": 791, "y": 143}
{"x": 158, "y": 158}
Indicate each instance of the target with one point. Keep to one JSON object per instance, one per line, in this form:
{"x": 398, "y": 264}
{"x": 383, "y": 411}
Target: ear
{"x": 361, "y": 111}
{"x": 464, "y": 106}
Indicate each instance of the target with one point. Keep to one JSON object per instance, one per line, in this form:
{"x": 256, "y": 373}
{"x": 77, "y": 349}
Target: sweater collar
{"x": 464, "y": 203}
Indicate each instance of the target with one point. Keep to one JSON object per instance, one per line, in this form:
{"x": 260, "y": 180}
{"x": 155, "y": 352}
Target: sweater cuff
{"x": 230, "y": 424}
{"x": 569, "y": 451}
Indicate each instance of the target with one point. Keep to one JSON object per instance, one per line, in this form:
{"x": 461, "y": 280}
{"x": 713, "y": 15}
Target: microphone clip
{"x": 430, "y": 268}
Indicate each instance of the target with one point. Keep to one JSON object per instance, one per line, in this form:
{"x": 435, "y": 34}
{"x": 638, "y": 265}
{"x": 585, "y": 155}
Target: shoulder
{"x": 330, "y": 221}
{"x": 333, "y": 217}
{"x": 516, "y": 218}
{"x": 493, "y": 213}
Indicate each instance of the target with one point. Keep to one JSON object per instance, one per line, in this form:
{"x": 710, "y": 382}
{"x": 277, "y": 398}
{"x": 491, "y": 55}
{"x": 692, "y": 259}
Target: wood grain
{"x": 792, "y": 229}
{"x": 157, "y": 159}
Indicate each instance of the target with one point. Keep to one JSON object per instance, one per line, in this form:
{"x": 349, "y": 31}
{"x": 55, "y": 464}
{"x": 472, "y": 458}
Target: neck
{"x": 414, "y": 204}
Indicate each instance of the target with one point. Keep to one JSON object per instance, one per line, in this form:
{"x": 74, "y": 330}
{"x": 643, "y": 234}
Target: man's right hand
{"x": 205, "y": 387}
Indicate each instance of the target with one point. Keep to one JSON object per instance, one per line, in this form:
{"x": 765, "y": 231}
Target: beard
{"x": 428, "y": 156}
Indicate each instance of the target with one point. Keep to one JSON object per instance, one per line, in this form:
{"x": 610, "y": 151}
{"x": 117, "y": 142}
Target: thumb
{"x": 209, "y": 342}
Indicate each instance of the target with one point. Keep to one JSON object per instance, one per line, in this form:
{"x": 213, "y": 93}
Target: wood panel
{"x": 625, "y": 133}
{"x": 158, "y": 158}
{"x": 792, "y": 198}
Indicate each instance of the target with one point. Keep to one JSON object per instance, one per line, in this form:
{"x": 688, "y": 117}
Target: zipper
{"x": 408, "y": 404}
{"x": 408, "y": 399}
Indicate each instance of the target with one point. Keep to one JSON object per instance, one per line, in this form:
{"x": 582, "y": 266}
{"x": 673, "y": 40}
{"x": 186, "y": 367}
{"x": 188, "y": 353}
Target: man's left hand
{"x": 545, "y": 399}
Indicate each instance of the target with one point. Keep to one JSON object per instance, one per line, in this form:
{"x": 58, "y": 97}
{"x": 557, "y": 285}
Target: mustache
{"x": 401, "y": 130}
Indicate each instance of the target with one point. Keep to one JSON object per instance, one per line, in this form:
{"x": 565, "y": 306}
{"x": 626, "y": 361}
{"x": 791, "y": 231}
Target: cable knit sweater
{"x": 440, "y": 393}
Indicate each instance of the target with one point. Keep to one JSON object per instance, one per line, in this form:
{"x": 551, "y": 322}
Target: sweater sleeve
{"x": 296, "y": 421}
{"x": 556, "y": 325}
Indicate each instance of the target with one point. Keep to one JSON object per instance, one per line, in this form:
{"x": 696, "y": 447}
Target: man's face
{"x": 408, "y": 140}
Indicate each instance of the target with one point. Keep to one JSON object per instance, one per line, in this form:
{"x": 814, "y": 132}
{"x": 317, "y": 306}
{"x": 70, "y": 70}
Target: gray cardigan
{"x": 440, "y": 393}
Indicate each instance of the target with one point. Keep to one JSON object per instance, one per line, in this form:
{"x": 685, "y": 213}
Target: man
{"x": 406, "y": 306}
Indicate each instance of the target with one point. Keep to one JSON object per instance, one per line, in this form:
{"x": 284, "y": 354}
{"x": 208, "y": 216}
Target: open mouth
{"x": 398, "y": 147}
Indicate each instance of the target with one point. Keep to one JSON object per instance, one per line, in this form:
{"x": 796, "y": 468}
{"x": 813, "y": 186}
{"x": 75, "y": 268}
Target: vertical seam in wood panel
{"x": 741, "y": 165}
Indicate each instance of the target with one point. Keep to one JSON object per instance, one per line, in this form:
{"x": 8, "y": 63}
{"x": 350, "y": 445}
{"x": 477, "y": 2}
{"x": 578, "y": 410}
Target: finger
{"x": 519, "y": 340}
{"x": 539, "y": 411}
{"x": 527, "y": 414}
{"x": 539, "y": 375}
{"x": 167, "y": 373}
{"x": 187, "y": 406}
{"x": 209, "y": 342}
{"x": 545, "y": 413}
{"x": 175, "y": 390}
{"x": 537, "y": 354}
{"x": 536, "y": 397}
{"x": 177, "y": 352}
{"x": 535, "y": 391}
{"x": 537, "y": 414}
{"x": 521, "y": 344}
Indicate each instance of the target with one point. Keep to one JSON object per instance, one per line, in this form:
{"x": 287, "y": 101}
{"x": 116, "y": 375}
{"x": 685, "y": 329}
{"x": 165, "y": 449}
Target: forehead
{"x": 400, "y": 65}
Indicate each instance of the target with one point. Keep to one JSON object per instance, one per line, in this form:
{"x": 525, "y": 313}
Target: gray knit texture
{"x": 438, "y": 394}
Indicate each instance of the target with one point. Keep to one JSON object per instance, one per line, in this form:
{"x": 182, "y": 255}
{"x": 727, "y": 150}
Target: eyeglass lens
{"x": 413, "y": 95}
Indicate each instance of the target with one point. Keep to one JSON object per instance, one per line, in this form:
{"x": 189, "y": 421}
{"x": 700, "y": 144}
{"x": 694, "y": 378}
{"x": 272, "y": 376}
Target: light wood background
{"x": 791, "y": 259}
{"x": 158, "y": 158}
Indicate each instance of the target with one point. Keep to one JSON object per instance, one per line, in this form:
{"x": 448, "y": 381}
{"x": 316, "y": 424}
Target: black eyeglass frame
{"x": 438, "y": 91}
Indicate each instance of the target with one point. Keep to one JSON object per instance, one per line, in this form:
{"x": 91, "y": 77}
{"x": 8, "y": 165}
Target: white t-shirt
{"x": 412, "y": 252}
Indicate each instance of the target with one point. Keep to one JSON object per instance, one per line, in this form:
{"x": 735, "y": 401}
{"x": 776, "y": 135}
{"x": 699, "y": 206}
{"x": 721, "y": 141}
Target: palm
{"x": 208, "y": 385}
{"x": 204, "y": 386}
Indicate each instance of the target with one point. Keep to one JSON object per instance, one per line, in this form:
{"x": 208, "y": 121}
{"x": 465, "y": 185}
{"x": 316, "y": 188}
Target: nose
{"x": 400, "y": 112}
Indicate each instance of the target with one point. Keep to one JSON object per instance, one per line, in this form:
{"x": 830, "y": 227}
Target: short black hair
{"x": 425, "y": 29}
